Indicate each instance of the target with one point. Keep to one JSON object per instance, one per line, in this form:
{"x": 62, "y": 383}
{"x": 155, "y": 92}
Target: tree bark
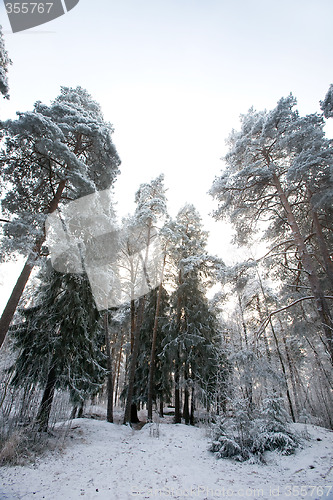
{"x": 321, "y": 303}
{"x": 47, "y": 399}
{"x": 22, "y": 280}
{"x": 161, "y": 412}
{"x": 328, "y": 264}
{"x": 118, "y": 367}
{"x": 153, "y": 349}
{"x": 134, "y": 357}
{"x": 177, "y": 418}
{"x": 109, "y": 381}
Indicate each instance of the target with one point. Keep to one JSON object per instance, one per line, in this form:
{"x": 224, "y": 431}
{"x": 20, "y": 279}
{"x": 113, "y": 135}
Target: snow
{"x": 107, "y": 461}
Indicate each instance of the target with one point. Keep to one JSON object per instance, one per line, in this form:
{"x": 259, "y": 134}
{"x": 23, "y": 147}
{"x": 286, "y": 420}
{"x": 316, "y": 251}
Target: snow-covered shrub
{"x": 243, "y": 438}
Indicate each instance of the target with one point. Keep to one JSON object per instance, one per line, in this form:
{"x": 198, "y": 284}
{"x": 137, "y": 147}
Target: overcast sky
{"x": 173, "y": 76}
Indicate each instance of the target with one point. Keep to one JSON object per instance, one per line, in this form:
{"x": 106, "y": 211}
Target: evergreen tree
{"x": 279, "y": 170}
{"x": 59, "y": 341}
{"x": 150, "y": 210}
{"x": 51, "y": 156}
{"x": 191, "y": 336}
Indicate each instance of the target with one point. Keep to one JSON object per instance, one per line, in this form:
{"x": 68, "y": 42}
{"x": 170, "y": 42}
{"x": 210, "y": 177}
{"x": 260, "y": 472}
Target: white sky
{"x": 173, "y": 76}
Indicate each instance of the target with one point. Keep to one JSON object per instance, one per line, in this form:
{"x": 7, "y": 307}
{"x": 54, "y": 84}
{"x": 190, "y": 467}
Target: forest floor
{"x": 104, "y": 461}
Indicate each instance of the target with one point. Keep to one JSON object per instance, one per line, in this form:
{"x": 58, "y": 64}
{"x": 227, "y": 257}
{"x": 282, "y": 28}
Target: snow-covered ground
{"x": 114, "y": 462}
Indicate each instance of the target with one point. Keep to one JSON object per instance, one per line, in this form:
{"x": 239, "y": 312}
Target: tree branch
{"x": 267, "y": 320}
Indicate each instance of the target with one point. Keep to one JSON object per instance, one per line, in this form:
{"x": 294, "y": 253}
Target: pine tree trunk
{"x": 186, "y": 410}
{"x": 22, "y": 280}
{"x": 118, "y": 368}
{"x": 109, "y": 381}
{"x": 47, "y": 399}
{"x": 192, "y": 407}
{"x": 161, "y": 412}
{"x": 320, "y": 301}
{"x": 283, "y": 371}
{"x": 177, "y": 418}
{"x": 153, "y": 349}
{"x": 80, "y": 411}
{"x": 134, "y": 357}
{"x": 73, "y": 412}
{"x": 328, "y": 264}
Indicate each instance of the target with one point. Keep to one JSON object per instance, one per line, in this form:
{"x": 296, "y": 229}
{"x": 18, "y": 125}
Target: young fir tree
{"x": 59, "y": 341}
{"x": 50, "y": 156}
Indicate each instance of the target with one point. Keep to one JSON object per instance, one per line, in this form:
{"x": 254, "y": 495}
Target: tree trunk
{"x": 109, "y": 381}
{"x": 22, "y": 280}
{"x": 320, "y": 301}
{"x": 328, "y": 264}
{"x": 153, "y": 349}
{"x": 46, "y": 403}
{"x": 161, "y": 412}
{"x": 192, "y": 406}
{"x": 283, "y": 371}
{"x": 118, "y": 368}
{"x": 134, "y": 357}
{"x": 80, "y": 411}
{"x": 177, "y": 418}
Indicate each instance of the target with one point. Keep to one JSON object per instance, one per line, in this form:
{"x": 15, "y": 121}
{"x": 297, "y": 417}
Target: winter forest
{"x": 133, "y": 321}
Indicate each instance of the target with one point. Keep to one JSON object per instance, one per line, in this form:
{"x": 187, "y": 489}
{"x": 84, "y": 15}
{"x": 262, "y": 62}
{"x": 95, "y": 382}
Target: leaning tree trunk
{"x": 22, "y": 280}
{"x": 47, "y": 399}
{"x": 322, "y": 307}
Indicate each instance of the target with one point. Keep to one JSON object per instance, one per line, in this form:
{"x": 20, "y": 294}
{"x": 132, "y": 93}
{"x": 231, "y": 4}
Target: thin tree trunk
{"x": 283, "y": 371}
{"x": 153, "y": 349}
{"x": 161, "y": 412}
{"x": 134, "y": 357}
{"x": 192, "y": 407}
{"x": 22, "y": 280}
{"x": 47, "y": 399}
{"x": 109, "y": 380}
{"x": 118, "y": 368}
{"x": 292, "y": 377}
{"x": 80, "y": 411}
{"x": 177, "y": 418}
{"x": 186, "y": 410}
{"x": 321, "y": 303}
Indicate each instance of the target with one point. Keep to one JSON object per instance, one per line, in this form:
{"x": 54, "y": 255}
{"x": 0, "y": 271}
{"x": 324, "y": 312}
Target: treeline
{"x": 261, "y": 346}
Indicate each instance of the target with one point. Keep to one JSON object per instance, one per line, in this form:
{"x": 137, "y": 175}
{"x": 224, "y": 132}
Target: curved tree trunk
{"x": 22, "y": 280}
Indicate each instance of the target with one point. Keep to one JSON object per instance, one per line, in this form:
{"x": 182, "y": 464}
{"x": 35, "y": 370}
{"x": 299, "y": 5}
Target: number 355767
{"x": 29, "y": 7}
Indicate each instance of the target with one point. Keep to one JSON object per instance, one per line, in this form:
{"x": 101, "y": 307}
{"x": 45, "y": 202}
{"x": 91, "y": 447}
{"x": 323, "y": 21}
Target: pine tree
{"x": 52, "y": 155}
{"x": 278, "y": 170}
